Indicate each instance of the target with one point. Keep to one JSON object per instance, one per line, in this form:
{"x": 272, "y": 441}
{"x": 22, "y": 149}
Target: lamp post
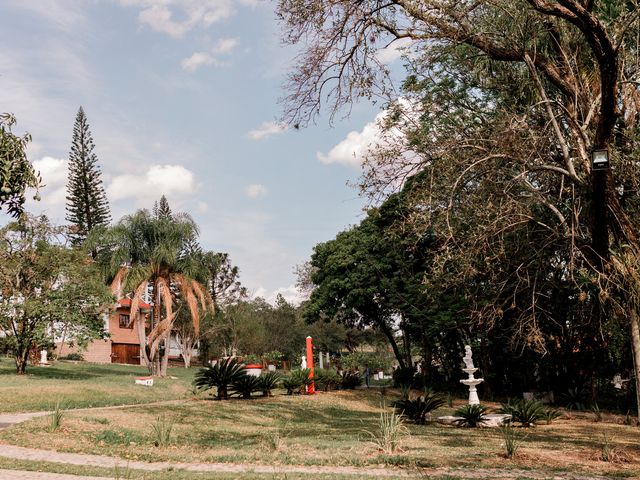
{"x": 600, "y": 229}
{"x": 600, "y": 159}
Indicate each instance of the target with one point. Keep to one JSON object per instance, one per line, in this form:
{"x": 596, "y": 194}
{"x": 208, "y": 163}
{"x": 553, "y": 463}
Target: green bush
{"x": 417, "y": 409}
{"x": 269, "y": 381}
{"x": 77, "y": 357}
{"x": 471, "y": 416}
{"x": 296, "y": 381}
{"x": 403, "y": 376}
{"x": 245, "y": 385}
{"x": 220, "y": 375}
{"x": 549, "y": 415}
{"x": 326, "y": 380}
{"x": 357, "y": 360}
{"x": 350, "y": 380}
{"x": 525, "y": 412}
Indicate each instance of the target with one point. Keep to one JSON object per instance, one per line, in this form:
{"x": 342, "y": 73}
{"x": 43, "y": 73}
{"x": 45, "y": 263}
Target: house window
{"x": 125, "y": 322}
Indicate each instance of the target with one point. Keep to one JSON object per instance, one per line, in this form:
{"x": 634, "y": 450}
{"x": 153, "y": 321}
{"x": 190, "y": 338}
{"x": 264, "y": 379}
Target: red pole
{"x": 311, "y": 389}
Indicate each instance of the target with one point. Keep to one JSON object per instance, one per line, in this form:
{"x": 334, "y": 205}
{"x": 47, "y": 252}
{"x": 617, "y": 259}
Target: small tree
{"x": 87, "y": 205}
{"x": 46, "y": 288}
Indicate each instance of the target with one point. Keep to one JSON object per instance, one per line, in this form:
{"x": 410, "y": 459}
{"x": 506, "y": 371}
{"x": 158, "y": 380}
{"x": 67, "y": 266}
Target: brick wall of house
{"x": 122, "y": 335}
{"x": 98, "y": 351}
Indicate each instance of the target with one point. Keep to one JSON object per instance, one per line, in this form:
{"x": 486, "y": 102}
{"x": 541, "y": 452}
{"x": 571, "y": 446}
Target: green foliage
{"x": 403, "y": 376}
{"x": 56, "y": 418}
{"x": 74, "y": 356}
{"x": 350, "y": 380}
{"x": 390, "y": 431}
{"x": 87, "y": 205}
{"x": 58, "y": 287}
{"x": 252, "y": 359}
{"x": 512, "y": 439}
{"x": 417, "y": 409}
{"x": 245, "y": 385}
{"x": 16, "y": 172}
{"x": 221, "y": 375}
{"x": 472, "y": 416}
{"x": 573, "y": 399}
{"x": 326, "y": 379}
{"x": 296, "y": 381}
{"x": 357, "y": 360}
{"x": 525, "y": 412}
{"x": 549, "y": 415}
{"x": 162, "y": 429}
{"x": 269, "y": 381}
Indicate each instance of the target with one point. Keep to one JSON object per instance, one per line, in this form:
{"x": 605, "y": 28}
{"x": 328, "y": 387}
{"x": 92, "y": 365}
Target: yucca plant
{"x": 245, "y": 385}
{"x": 268, "y": 382}
{"x": 417, "y": 409}
{"x": 471, "y": 416}
{"x": 296, "y": 381}
{"x": 390, "y": 431}
{"x": 525, "y": 412}
{"x": 220, "y": 375}
{"x": 56, "y": 418}
{"x": 162, "y": 429}
{"x": 512, "y": 439}
{"x": 549, "y": 415}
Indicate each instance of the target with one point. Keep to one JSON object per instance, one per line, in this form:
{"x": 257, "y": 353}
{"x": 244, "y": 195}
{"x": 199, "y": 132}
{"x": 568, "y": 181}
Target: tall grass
{"x": 162, "y": 429}
{"x": 56, "y": 418}
{"x": 390, "y": 431}
{"x": 512, "y": 439}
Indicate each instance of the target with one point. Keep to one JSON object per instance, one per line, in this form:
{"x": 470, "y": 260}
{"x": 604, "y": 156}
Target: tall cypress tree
{"x": 87, "y": 205}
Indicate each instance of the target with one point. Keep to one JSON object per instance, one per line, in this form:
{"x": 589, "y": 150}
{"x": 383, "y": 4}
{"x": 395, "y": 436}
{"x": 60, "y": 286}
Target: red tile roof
{"x": 126, "y": 303}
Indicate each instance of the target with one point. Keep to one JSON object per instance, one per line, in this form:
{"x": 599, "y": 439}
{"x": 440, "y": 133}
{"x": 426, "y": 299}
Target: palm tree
{"x": 149, "y": 252}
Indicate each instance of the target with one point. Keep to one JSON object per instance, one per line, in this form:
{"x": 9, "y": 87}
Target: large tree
{"x": 507, "y": 100}
{"x": 145, "y": 252}
{"x": 47, "y": 288}
{"x": 16, "y": 172}
{"x": 87, "y": 204}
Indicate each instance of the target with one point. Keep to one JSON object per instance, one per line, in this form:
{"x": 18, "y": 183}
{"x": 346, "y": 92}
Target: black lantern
{"x": 600, "y": 159}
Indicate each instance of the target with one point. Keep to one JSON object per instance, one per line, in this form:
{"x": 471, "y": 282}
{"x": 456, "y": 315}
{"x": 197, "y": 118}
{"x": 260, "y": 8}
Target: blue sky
{"x": 182, "y": 100}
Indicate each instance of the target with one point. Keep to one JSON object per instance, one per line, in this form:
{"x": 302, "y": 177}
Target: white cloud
{"x": 394, "y": 51}
{"x": 267, "y": 129}
{"x": 53, "y": 195}
{"x": 202, "y": 207}
{"x": 157, "y": 180}
{"x": 177, "y": 17}
{"x": 63, "y": 14}
{"x": 210, "y": 58}
{"x": 256, "y": 190}
{"x": 291, "y": 294}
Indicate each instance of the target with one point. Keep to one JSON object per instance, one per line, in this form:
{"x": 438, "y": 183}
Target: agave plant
{"x": 417, "y": 409}
{"x": 326, "y": 379}
{"x": 268, "y": 382}
{"x": 245, "y": 385}
{"x": 471, "y": 416}
{"x": 525, "y": 412}
{"x": 220, "y": 375}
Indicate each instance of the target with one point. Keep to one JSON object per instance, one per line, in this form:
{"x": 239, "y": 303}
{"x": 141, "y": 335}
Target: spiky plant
{"x": 417, "y": 409}
{"x": 296, "y": 381}
{"x": 525, "y": 412}
{"x": 471, "y": 416}
{"x": 245, "y": 385}
{"x": 326, "y": 379}
{"x": 351, "y": 380}
{"x": 220, "y": 375}
{"x": 268, "y": 382}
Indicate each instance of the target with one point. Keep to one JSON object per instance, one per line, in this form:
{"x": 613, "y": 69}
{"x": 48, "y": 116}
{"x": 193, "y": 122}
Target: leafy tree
{"x": 16, "y": 172}
{"x": 46, "y": 288}
{"x": 506, "y": 102}
{"x": 87, "y": 205}
{"x": 142, "y": 252}
{"x": 162, "y": 209}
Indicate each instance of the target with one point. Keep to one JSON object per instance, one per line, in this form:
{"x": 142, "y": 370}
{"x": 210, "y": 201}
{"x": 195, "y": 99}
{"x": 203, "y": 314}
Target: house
{"x": 122, "y": 346}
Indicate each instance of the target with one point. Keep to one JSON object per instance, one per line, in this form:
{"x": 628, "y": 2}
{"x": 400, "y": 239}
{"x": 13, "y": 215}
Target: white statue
{"x": 467, "y": 359}
{"x": 304, "y": 362}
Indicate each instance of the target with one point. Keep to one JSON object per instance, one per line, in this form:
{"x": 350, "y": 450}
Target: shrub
{"x": 252, "y": 359}
{"x": 220, "y": 375}
{"x": 77, "y": 357}
{"x": 549, "y": 415}
{"x": 245, "y": 385}
{"x": 573, "y": 399}
{"x": 350, "y": 380}
{"x": 512, "y": 439}
{"x": 296, "y": 381}
{"x": 525, "y": 412}
{"x": 56, "y": 418}
{"x": 403, "y": 376}
{"x": 269, "y": 381}
{"x": 326, "y": 379}
{"x": 472, "y": 415}
{"x": 417, "y": 409}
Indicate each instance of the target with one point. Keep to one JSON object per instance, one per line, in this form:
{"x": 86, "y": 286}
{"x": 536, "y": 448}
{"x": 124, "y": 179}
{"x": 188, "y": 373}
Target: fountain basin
{"x": 491, "y": 419}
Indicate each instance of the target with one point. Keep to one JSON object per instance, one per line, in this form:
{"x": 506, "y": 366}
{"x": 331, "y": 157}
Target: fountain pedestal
{"x": 471, "y": 382}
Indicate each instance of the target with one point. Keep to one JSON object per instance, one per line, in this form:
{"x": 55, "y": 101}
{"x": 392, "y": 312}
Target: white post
{"x": 328, "y": 361}
{"x": 320, "y": 363}
{"x": 43, "y": 357}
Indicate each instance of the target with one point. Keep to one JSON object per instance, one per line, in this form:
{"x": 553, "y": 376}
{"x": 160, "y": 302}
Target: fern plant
{"x": 220, "y": 375}
{"x": 525, "y": 412}
{"x": 268, "y": 382}
{"x": 297, "y": 380}
{"x": 326, "y": 379}
{"x": 245, "y": 385}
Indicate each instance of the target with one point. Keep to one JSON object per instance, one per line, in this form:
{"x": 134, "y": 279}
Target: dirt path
{"x": 20, "y": 475}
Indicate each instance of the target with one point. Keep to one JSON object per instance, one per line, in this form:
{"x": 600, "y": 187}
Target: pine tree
{"x": 162, "y": 210}
{"x": 87, "y": 205}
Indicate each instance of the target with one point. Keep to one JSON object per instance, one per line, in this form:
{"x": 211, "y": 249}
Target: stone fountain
{"x": 471, "y": 382}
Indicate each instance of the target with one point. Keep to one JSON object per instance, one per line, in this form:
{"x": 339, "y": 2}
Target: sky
{"x": 182, "y": 100}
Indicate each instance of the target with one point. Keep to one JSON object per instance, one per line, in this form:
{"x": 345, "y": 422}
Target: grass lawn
{"x": 328, "y": 429}
{"x": 80, "y": 384}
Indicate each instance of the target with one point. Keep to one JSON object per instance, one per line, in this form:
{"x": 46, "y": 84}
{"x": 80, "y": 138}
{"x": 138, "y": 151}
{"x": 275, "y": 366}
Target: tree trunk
{"x": 635, "y": 350}
{"x": 22, "y": 356}
{"x": 389, "y": 334}
{"x": 164, "y": 359}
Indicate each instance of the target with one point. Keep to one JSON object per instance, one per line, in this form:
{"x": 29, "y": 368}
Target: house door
{"x": 125, "y": 353}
